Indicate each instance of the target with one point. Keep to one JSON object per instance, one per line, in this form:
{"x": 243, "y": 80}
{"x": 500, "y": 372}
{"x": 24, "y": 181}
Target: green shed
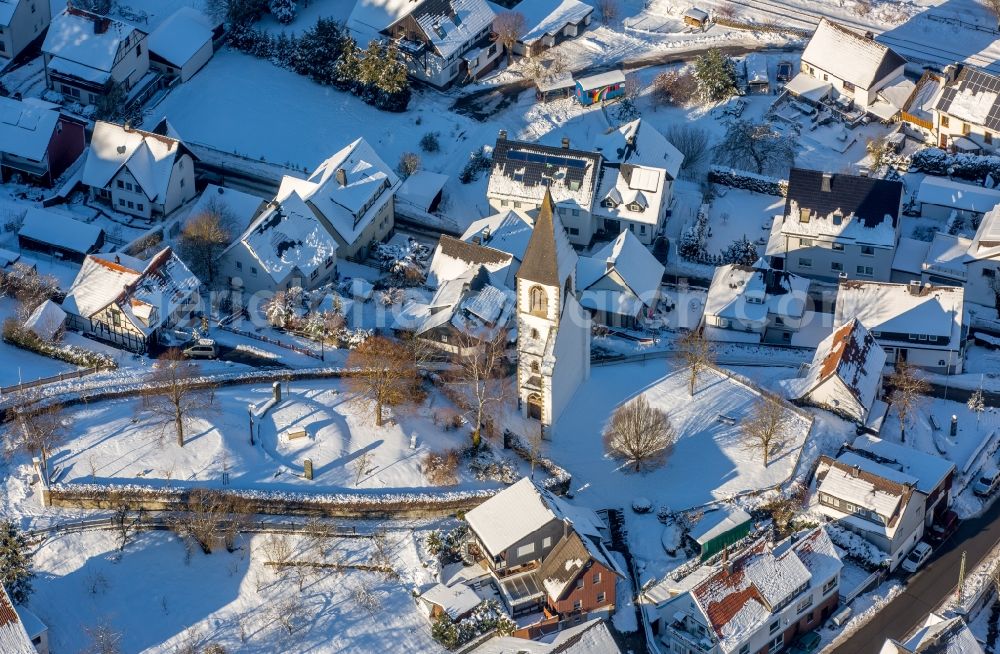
{"x": 719, "y": 528}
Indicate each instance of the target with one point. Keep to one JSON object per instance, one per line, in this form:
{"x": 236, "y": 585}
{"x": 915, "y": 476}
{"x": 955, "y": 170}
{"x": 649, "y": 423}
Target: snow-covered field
{"x": 117, "y": 441}
{"x": 160, "y": 598}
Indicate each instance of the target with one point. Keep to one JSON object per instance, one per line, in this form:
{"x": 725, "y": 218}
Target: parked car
{"x": 203, "y": 348}
{"x": 917, "y": 557}
{"x": 807, "y": 643}
{"x": 943, "y": 528}
{"x": 986, "y": 484}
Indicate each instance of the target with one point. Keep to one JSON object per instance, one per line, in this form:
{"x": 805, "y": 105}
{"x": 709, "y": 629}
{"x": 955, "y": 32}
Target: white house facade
{"x": 21, "y": 22}
{"x": 754, "y": 305}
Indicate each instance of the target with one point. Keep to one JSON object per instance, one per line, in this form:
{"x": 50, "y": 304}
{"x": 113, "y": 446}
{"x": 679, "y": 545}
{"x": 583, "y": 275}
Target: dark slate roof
{"x": 473, "y": 253}
{"x": 867, "y": 198}
{"x": 535, "y": 159}
{"x": 560, "y": 568}
{"x": 974, "y": 81}
{"x": 539, "y": 263}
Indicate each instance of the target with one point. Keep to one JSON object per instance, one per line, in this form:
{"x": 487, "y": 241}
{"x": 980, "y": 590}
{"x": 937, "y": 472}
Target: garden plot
{"x": 117, "y": 441}
{"x": 160, "y": 598}
{"x": 736, "y": 213}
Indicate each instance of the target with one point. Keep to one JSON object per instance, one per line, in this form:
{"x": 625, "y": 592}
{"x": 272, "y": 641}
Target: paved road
{"x": 485, "y": 103}
{"x": 926, "y": 590}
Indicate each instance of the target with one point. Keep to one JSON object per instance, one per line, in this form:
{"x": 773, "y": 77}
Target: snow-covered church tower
{"x": 553, "y": 330}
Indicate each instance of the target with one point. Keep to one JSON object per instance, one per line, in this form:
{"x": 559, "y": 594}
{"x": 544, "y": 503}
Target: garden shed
{"x": 719, "y": 528}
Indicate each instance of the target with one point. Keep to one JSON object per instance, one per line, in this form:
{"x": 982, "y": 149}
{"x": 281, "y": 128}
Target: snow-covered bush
{"x": 741, "y": 251}
{"x": 409, "y": 163}
{"x": 857, "y": 547}
{"x": 441, "y": 468}
{"x": 479, "y": 162}
{"x": 429, "y": 142}
{"x": 935, "y": 161}
{"x": 488, "y": 616}
{"x": 283, "y": 10}
{"x": 748, "y": 181}
{"x": 14, "y": 334}
{"x": 486, "y": 465}
{"x": 692, "y": 242}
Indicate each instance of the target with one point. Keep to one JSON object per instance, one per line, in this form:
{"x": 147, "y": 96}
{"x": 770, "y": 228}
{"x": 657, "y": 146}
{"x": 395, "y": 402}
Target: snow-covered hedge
{"x": 775, "y": 28}
{"x": 343, "y": 504}
{"x": 857, "y": 547}
{"x": 25, "y": 339}
{"x": 487, "y": 617}
{"x": 559, "y": 478}
{"x": 935, "y": 161}
{"x": 748, "y": 181}
{"x": 692, "y": 242}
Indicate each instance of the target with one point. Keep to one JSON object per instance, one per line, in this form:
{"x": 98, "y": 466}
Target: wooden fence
{"x": 273, "y": 341}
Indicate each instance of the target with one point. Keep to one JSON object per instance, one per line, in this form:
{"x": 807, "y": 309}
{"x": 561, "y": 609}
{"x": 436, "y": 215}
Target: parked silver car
{"x": 203, "y": 348}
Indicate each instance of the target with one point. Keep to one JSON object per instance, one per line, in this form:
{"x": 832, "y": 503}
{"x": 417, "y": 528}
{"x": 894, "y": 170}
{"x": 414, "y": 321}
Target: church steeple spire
{"x": 539, "y": 263}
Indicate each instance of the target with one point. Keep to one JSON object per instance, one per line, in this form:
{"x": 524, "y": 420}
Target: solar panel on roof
{"x": 545, "y": 159}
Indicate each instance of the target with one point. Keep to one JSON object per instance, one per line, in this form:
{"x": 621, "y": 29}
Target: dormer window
{"x": 803, "y": 215}
{"x": 635, "y": 206}
{"x": 609, "y": 203}
{"x": 838, "y": 218}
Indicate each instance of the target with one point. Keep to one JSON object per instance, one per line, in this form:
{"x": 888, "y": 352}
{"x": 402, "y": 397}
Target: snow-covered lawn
{"x": 737, "y": 213}
{"x": 117, "y": 441}
{"x": 708, "y": 461}
{"x": 159, "y": 598}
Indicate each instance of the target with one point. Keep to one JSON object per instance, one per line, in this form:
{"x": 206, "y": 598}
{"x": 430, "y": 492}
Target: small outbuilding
{"x": 719, "y": 528}
{"x": 422, "y": 190}
{"x": 59, "y": 235}
{"x": 696, "y": 17}
{"x": 601, "y": 87}
{"x": 46, "y": 320}
{"x": 758, "y": 80}
{"x": 556, "y": 87}
{"x": 182, "y": 44}
{"x": 940, "y": 196}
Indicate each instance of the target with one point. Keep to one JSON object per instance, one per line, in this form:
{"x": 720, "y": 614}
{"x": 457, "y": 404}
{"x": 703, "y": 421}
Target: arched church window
{"x": 538, "y": 301}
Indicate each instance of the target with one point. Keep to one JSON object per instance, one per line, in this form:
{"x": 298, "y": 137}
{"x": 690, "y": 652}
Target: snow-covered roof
{"x": 515, "y": 512}
{"x": 947, "y": 254}
{"x": 451, "y": 25}
{"x": 369, "y": 16}
{"x": 347, "y": 188}
{"x": 632, "y": 193}
{"x": 957, "y": 195}
{"x": 526, "y": 171}
{"x": 756, "y": 67}
{"x": 240, "y": 207}
{"x": 851, "y": 354}
{"x": 420, "y": 189}
{"x": 147, "y": 156}
{"x": 600, "y": 80}
{"x": 75, "y": 35}
{"x": 897, "y": 92}
{"x": 32, "y": 624}
{"x": 910, "y": 255}
{"x": 638, "y": 142}
{"x": 928, "y": 470}
{"x": 938, "y": 635}
{"x": 13, "y": 638}
{"x": 972, "y": 96}
{"x": 986, "y": 243}
{"x": 146, "y": 292}
{"x": 746, "y": 294}
{"x": 924, "y": 96}
{"x": 844, "y": 207}
{"x": 508, "y": 232}
{"x": 636, "y": 265}
{"x": 453, "y": 258}
{"x": 903, "y": 309}
{"x": 181, "y": 36}
{"x": 549, "y": 17}
{"x": 736, "y": 598}
{"x": 850, "y": 56}
{"x": 806, "y": 86}
{"x": 866, "y": 484}
{"x": 591, "y": 637}
{"x": 287, "y": 237}
{"x": 455, "y": 600}
{"x": 8, "y": 257}
{"x": 26, "y": 127}
{"x": 46, "y": 320}
{"x": 718, "y": 521}
{"x": 60, "y": 230}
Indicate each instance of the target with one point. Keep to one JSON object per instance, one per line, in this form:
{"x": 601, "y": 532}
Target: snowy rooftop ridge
{"x": 548, "y": 17}
{"x": 181, "y": 36}
{"x": 958, "y": 195}
{"x": 148, "y": 156}
{"x": 509, "y": 516}
{"x": 88, "y": 39}
{"x": 986, "y": 243}
{"x": 866, "y": 484}
{"x": 61, "y": 230}
{"x": 26, "y": 127}
{"x": 850, "y": 56}
{"x": 636, "y": 265}
{"x": 890, "y": 310}
{"x": 939, "y": 635}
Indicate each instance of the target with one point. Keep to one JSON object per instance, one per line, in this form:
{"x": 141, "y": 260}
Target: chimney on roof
{"x": 342, "y": 177}
{"x": 870, "y": 35}
{"x": 826, "y": 184}
{"x": 565, "y": 142}
{"x": 118, "y": 259}
{"x": 855, "y": 470}
{"x": 502, "y": 135}
{"x": 101, "y": 25}
{"x": 915, "y": 287}
{"x": 950, "y": 72}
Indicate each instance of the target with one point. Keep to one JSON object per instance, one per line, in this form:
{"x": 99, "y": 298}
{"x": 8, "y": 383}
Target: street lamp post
{"x": 250, "y": 413}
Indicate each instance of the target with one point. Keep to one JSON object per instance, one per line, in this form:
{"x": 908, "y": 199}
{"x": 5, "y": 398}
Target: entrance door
{"x": 535, "y": 407}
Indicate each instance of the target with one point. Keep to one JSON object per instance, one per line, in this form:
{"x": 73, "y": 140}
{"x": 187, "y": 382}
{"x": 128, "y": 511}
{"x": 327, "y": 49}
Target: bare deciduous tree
{"x": 696, "y": 353}
{"x": 906, "y": 394}
{"x": 977, "y": 404}
{"x": 37, "y": 430}
{"x": 409, "y": 163}
{"x": 205, "y": 236}
{"x": 482, "y": 372}
{"x": 764, "y": 429}
{"x": 360, "y": 465}
{"x": 692, "y": 142}
{"x": 879, "y": 151}
{"x": 103, "y": 639}
{"x": 639, "y": 434}
{"x": 366, "y": 598}
{"x": 633, "y": 86}
{"x": 508, "y": 26}
{"x": 126, "y": 514}
{"x": 727, "y": 10}
{"x": 202, "y": 518}
{"x": 755, "y": 147}
{"x": 29, "y": 288}
{"x": 385, "y": 374}
{"x": 173, "y": 397}
{"x": 678, "y": 87}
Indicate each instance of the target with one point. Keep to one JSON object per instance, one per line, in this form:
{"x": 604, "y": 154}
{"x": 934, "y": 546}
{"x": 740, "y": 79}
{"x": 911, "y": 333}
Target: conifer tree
{"x": 15, "y": 562}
